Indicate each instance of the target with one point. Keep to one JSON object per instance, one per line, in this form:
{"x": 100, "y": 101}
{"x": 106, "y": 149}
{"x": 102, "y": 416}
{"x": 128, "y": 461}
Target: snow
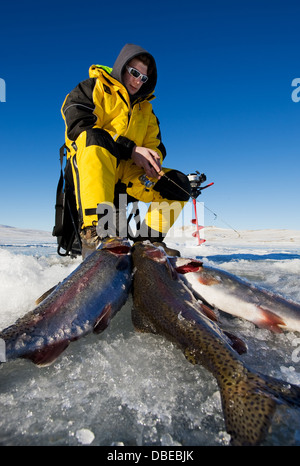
{"x": 126, "y": 388}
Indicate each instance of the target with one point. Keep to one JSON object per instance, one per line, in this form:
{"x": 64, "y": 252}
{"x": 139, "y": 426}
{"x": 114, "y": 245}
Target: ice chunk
{"x": 85, "y": 436}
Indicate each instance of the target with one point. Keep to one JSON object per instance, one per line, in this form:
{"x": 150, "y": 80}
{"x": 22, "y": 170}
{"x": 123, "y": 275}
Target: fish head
{"x": 115, "y": 245}
{"x": 147, "y": 249}
{"x": 147, "y": 253}
{"x": 186, "y": 265}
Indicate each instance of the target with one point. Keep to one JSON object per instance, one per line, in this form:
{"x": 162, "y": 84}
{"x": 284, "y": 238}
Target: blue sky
{"x": 223, "y": 98}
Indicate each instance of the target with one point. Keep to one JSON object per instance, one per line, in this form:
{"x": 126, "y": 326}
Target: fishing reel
{"x": 196, "y": 179}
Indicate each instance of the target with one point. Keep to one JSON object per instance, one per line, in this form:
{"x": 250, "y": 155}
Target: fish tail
{"x": 249, "y": 406}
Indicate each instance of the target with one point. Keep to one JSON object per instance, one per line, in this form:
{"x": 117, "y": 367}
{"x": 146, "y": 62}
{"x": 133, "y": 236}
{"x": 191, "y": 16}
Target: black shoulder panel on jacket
{"x": 161, "y": 146}
{"x": 162, "y": 149}
{"x": 78, "y": 109}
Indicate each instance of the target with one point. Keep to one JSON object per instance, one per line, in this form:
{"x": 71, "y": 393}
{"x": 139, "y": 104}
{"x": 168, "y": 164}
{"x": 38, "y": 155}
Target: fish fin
{"x": 236, "y": 343}
{"x": 48, "y": 354}
{"x": 269, "y": 320}
{"x": 207, "y": 280}
{"x": 46, "y": 294}
{"x": 250, "y": 402}
{"x": 208, "y": 311}
{"x": 103, "y": 320}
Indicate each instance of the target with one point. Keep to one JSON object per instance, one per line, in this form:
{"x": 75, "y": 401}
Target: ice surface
{"x": 127, "y": 388}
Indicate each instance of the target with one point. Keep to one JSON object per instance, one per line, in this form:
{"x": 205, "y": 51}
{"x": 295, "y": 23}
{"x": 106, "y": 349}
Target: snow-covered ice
{"x": 127, "y": 388}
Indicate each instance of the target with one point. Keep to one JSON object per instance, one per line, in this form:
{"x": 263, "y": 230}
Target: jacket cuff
{"x": 125, "y": 147}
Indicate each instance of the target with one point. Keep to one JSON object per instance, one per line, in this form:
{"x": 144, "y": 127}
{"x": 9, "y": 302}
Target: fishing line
{"x": 216, "y": 216}
{"x": 161, "y": 173}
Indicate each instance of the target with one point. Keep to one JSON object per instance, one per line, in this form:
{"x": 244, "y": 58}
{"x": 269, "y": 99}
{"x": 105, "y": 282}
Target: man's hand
{"x": 147, "y": 159}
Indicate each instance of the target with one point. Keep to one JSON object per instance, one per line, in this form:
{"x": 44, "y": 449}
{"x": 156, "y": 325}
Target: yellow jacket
{"x": 103, "y": 102}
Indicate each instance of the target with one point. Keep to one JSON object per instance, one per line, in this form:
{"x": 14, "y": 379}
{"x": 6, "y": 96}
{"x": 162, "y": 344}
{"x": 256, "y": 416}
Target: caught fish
{"x": 164, "y": 305}
{"x": 84, "y": 302}
{"x": 233, "y": 295}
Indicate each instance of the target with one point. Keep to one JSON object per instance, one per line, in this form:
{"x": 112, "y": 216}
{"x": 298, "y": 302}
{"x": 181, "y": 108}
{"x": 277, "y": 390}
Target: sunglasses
{"x": 136, "y": 74}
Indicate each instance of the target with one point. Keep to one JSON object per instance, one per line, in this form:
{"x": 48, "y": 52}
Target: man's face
{"x": 131, "y": 83}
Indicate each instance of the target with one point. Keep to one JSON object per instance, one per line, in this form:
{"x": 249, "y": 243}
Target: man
{"x": 113, "y": 138}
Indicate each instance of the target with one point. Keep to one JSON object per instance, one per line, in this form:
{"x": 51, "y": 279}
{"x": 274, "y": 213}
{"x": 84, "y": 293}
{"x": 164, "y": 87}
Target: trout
{"x": 164, "y": 305}
{"x": 233, "y": 295}
{"x": 84, "y": 302}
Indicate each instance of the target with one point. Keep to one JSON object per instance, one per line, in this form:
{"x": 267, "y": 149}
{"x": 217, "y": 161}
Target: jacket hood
{"x": 128, "y": 52}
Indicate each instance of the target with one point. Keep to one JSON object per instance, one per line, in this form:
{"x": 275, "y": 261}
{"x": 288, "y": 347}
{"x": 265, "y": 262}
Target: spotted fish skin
{"x": 83, "y": 303}
{"x": 164, "y": 305}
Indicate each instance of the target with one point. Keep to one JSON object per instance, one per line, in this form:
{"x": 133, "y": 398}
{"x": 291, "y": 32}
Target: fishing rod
{"x": 231, "y": 227}
{"x": 196, "y": 179}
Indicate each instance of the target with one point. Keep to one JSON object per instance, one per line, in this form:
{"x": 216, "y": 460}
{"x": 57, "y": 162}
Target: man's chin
{"x": 132, "y": 91}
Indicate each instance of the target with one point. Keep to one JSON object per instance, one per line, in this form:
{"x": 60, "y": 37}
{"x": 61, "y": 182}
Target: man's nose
{"x": 136, "y": 80}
